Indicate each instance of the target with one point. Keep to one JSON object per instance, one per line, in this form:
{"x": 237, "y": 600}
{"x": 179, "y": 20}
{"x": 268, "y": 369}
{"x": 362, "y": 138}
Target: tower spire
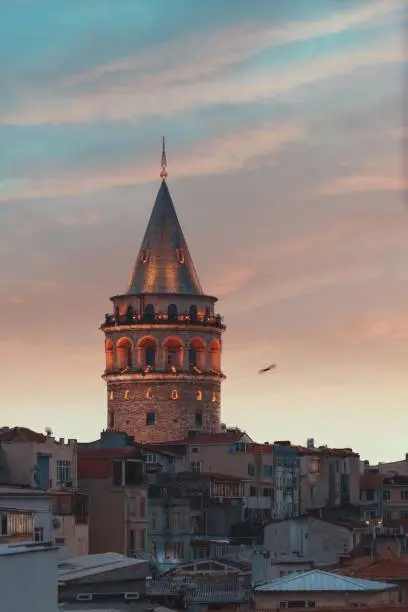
{"x": 163, "y": 173}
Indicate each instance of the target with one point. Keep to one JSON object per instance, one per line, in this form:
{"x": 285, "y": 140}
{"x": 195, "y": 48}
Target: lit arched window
{"x": 147, "y": 348}
{"x": 111, "y": 395}
{"x": 215, "y": 355}
{"x": 129, "y": 314}
{"x": 149, "y": 394}
{"x": 196, "y": 353}
{"x": 126, "y": 394}
{"x": 199, "y": 395}
{"x": 174, "y": 394}
{"x": 124, "y": 353}
{"x": 214, "y": 396}
{"x": 173, "y": 353}
{"x": 109, "y": 354}
{"x": 180, "y": 255}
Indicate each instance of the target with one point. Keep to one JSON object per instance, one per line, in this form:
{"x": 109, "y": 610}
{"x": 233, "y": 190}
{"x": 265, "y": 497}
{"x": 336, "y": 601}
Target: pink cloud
{"x": 364, "y": 183}
{"x": 219, "y": 156}
{"x": 378, "y": 327}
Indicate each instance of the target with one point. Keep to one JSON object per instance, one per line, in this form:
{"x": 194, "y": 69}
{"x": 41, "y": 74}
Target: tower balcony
{"x": 150, "y": 373}
{"x": 162, "y": 319}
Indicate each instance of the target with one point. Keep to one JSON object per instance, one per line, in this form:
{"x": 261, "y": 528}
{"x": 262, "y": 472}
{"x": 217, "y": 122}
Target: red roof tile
{"x": 371, "y": 481}
{"x": 383, "y": 569}
{"x": 21, "y": 434}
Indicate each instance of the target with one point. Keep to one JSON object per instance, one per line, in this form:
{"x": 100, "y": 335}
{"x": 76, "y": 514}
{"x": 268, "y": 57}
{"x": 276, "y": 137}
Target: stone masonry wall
{"x": 130, "y": 402}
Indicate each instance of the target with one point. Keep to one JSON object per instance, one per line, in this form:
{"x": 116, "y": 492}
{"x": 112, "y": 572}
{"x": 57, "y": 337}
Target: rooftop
{"x": 318, "y": 580}
{"x": 25, "y": 547}
{"x": 90, "y": 565}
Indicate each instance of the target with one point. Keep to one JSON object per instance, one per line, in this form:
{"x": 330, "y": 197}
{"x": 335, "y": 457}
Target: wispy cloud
{"x": 364, "y": 183}
{"x": 378, "y": 327}
{"x": 178, "y": 80}
{"x": 219, "y": 156}
{"x": 230, "y": 46}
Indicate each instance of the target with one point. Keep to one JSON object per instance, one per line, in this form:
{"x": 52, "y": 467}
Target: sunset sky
{"x": 285, "y": 131}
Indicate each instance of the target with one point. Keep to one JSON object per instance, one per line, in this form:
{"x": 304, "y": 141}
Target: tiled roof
{"x": 228, "y": 588}
{"x": 21, "y": 434}
{"x": 384, "y": 569}
{"x": 317, "y": 580}
{"x": 227, "y": 437}
{"x": 370, "y": 481}
{"x": 335, "y": 452}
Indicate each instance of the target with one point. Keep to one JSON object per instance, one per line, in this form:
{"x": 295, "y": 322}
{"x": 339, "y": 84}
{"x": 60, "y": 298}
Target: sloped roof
{"x": 382, "y": 569}
{"x": 164, "y": 263}
{"x": 90, "y": 565}
{"x": 318, "y": 580}
{"x": 20, "y": 434}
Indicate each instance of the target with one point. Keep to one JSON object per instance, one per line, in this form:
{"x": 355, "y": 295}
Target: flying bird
{"x": 267, "y": 369}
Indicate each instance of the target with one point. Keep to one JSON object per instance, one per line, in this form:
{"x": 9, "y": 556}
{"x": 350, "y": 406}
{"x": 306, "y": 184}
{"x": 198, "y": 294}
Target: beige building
{"x": 328, "y": 477}
{"x": 38, "y": 461}
{"x": 117, "y": 488}
{"x": 319, "y": 589}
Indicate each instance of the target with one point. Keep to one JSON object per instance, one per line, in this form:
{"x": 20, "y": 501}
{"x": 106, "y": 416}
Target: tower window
{"x": 144, "y": 255}
{"x": 172, "y": 312}
{"x": 174, "y": 394}
{"x": 150, "y": 418}
{"x": 193, "y": 312}
{"x": 198, "y": 420}
{"x": 214, "y": 396}
{"x": 180, "y": 255}
{"x": 199, "y": 395}
{"x": 111, "y": 419}
{"x": 111, "y": 395}
{"x": 149, "y": 312}
{"x": 126, "y": 394}
{"x": 149, "y": 394}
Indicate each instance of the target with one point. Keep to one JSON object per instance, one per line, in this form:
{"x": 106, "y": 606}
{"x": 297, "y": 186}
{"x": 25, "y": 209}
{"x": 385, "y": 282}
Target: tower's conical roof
{"x": 164, "y": 264}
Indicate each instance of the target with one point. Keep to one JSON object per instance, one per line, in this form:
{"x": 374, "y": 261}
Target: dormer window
{"x": 144, "y": 255}
{"x": 180, "y": 255}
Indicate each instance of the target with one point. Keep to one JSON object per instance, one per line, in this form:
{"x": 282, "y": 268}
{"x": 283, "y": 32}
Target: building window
{"x": 143, "y": 539}
{"x": 38, "y": 534}
{"x": 144, "y": 255}
{"x": 195, "y": 466}
{"x": 154, "y": 520}
{"x": 126, "y": 394}
{"x": 149, "y": 394}
{"x": 267, "y": 471}
{"x": 251, "y": 469}
{"x": 214, "y": 397}
{"x": 142, "y": 507}
{"x": 312, "y": 492}
{"x": 64, "y": 471}
{"x": 174, "y": 394}
{"x": 150, "y": 418}
{"x": 297, "y": 604}
{"x": 111, "y": 395}
{"x": 369, "y": 494}
{"x": 386, "y": 495}
{"x": 252, "y": 492}
{"x": 180, "y": 255}
{"x": 198, "y": 420}
{"x": 193, "y": 312}
{"x": 404, "y": 495}
{"x": 194, "y": 449}
{"x": 199, "y": 395}
{"x": 172, "y": 312}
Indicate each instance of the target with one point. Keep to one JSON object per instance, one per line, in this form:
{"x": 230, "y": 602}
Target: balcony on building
{"x": 161, "y": 318}
{"x": 128, "y": 472}
{"x": 71, "y": 503}
{"x": 16, "y": 526}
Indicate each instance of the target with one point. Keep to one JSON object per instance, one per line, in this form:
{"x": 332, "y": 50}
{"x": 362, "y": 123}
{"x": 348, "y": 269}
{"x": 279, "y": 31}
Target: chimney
{"x": 310, "y": 443}
{"x": 72, "y": 441}
{"x": 62, "y": 440}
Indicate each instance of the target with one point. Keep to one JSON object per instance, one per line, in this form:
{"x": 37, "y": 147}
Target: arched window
{"x": 129, "y": 314}
{"x": 193, "y": 312}
{"x": 173, "y": 353}
{"x": 109, "y": 354}
{"x": 149, "y": 394}
{"x": 196, "y": 353}
{"x": 147, "y": 347}
{"x": 215, "y": 355}
{"x": 172, "y": 312}
{"x": 111, "y": 419}
{"x": 149, "y": 312}
{"x": 124, "y": 353}
{"x": 117, "y": 314}
{"x": 199, "y": 395}
{"x": 208, "y": 312}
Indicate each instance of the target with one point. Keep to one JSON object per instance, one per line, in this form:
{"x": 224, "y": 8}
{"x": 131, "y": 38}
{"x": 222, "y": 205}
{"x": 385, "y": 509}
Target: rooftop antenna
{"x": 163, "y": 173}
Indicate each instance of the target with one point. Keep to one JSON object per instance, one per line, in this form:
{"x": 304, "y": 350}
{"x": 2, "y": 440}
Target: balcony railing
{"x": 172, "y": 371}
{"x": 112, "y": 320}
